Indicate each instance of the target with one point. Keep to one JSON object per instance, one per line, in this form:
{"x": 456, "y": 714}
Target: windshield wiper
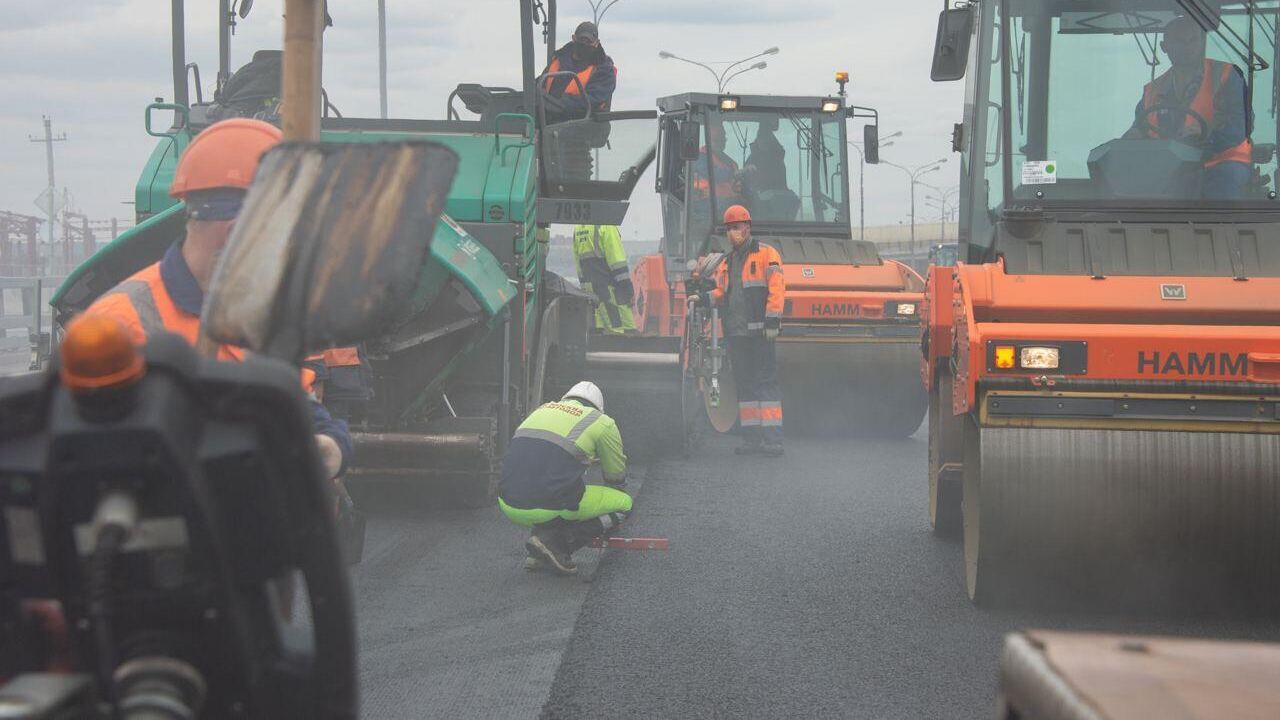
{"x": 1210, "y": 20}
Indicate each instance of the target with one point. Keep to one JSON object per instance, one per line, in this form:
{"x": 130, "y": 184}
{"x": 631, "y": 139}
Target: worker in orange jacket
{"x": 212, "y": 177}
{"x": 596, "y": 76}
{"x": 751, "y": 292}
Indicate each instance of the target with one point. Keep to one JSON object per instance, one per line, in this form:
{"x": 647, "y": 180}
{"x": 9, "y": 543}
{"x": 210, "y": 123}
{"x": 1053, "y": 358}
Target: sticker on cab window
{"x": 1039, "y": 172}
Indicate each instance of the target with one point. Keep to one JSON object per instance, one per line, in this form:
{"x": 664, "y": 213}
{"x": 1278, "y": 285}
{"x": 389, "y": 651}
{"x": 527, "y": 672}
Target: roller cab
{"x": 850, "y": 326}
{"x": 1101, "y": 361}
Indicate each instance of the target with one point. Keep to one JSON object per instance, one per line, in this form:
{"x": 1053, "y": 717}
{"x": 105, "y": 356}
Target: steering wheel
{"x": 1144, "y": 125}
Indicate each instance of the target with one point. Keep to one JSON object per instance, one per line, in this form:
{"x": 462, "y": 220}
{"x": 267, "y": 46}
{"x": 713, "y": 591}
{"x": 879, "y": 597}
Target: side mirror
{"x": 690, "y": 140}
{"x": 245, "y": 7}
{"x": 951, "y": 48}
{"x": 871, "y": 143}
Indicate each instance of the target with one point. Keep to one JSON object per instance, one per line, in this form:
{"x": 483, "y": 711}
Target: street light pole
{"x": 914, "y": 176}
{"x": 382, "y": 57}
{"x": 723, "y": 78}
{"x": 862, "y": 172}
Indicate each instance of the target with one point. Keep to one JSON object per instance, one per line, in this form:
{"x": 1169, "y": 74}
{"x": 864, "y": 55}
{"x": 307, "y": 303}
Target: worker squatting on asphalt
{"x": 750, "y": 291}
{"x": 603, "y": 272}
{"x": 542, "y": 485}
{"x": 212, "y": 177}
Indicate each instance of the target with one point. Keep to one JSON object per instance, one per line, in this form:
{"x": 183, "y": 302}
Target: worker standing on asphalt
{"x": 542, "y": 485}
{"x": 212, "y": 177}
{"x": 597, "y": 77}
{"x": 750, "y": 291}
{"x": 603, "y": 272}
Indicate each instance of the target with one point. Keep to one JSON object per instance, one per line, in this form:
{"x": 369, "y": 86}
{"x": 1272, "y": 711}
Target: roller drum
{"x": 852, "y": 388}
{"x": 1123, "y": 513}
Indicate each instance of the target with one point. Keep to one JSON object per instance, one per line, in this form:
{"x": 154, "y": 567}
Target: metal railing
{"x": 26, "y": 322}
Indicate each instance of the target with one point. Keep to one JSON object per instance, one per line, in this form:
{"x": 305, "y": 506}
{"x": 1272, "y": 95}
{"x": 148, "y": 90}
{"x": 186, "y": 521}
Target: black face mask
{"x": 582, "y": 51}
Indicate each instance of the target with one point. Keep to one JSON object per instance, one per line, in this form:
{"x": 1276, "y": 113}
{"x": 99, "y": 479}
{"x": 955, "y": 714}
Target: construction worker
{"x": 719, "y": 173}
{"x": 603, "y": 271}
{"x": 542, "y": 485}
{"x": 765, "y": 175}
{"x": 750, "y": 291}
{"x": 597, "y": 77}
{"x": 212, "y": 177}
{"x": 1196, "y": 88}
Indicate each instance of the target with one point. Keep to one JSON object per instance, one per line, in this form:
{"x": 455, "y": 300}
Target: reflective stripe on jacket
{"x": 551, "y": 450}
{"x": 761, "y": 283}
{"x": 1205, "y": 104}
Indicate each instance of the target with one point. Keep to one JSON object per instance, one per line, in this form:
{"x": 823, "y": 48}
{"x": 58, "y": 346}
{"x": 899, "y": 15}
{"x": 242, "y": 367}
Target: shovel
{"x": 330, "y": 245}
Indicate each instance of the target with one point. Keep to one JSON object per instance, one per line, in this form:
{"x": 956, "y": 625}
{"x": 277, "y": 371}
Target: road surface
{"x": 808, "y": 586}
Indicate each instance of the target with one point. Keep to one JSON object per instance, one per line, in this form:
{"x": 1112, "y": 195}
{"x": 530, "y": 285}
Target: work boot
{"x": 771, "y": 449}
{"x": 532, "y": 562}
{"x": 547, "y": 547}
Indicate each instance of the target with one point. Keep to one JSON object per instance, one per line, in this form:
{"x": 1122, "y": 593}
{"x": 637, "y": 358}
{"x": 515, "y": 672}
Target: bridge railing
{"x": 26, "y": 321}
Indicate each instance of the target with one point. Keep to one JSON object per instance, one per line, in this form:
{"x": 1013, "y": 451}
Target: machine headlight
{"x": 906, "y": 308}
{"x": 1060, "y": 357}
{"x": 728, "y": 103}
{"x": 1039, "y": 358}
{"x": 830, "y": 105}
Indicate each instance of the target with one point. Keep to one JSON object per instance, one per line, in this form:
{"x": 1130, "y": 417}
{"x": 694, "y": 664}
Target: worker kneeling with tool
{"x": 542, "y": 486}
{"x": 212, "y": 177}
{"x": 750, "y": 292}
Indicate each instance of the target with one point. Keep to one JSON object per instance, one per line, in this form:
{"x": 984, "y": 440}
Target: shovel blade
{"x": 330, "y": 246}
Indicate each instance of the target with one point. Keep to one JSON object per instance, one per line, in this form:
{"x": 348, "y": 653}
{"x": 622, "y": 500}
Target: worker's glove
{"x": 618, "y": 482}
{"x": 330, "y": 455}
{"x": 771, "y": 333}
{"x": 697, "y": 300}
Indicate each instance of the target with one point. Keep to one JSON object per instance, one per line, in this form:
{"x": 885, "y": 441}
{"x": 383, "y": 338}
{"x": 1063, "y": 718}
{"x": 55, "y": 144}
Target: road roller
{"x": 1103, "y": 360}
{"x": 850, "y": 329}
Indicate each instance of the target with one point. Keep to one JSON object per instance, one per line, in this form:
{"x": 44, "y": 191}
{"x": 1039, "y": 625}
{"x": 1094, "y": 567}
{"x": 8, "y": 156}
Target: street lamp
{"x": 943, "y": 204}
{"x": 723, "y": 77}
{"x": 914, "y": 175}
{"x": 599, "y": 8}
{"x": 862, "y": 171}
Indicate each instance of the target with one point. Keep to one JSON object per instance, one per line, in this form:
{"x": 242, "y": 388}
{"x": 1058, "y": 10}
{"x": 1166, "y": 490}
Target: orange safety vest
{"x": 572, "y": 87}
{"x": 723, "y": 169}
{"x": 143, "y": 304}
{"x": 1216, "y": 74}
{"x": 762, "y": 285}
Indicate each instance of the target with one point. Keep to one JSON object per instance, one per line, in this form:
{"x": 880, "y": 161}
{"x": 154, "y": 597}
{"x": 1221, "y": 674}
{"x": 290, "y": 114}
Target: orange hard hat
{"x": 225, "y": 155}
{"x": 98, "y": 353}
{"x": 736, "y": 214}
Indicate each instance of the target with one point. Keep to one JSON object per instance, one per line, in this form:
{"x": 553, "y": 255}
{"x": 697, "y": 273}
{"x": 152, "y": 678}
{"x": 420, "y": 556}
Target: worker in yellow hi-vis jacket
{"x": 603, "y": 272}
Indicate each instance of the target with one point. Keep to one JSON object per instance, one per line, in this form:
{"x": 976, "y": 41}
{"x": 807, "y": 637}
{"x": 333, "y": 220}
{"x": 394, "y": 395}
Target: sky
{"x": 93, "y": 65}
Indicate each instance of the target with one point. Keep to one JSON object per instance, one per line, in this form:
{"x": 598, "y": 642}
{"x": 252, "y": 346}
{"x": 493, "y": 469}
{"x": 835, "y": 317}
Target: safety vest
{"x": 571, "y": 87}
{"x": 724, "y": 171}
{"x": 1215, "y": 77}
{"x": 551, "y": 450}
{"x": 761, "y": 283}
{"x": 144, "y": 305}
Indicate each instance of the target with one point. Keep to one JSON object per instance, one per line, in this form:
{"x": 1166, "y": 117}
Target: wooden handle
{"x": 300, "y": 113}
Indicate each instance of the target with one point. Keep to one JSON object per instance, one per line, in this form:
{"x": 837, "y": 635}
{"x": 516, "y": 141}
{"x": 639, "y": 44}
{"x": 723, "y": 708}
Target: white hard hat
{"x": 587, "y": 392}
